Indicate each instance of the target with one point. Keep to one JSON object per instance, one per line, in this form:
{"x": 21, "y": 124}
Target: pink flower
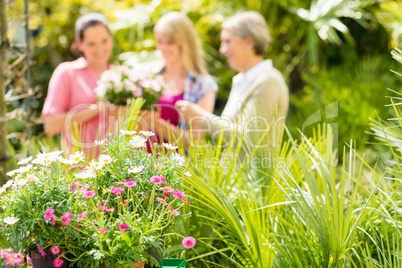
{"x": 76, "y": 166}
{"x": 104, "y": 201}
{"x": 13, "y": 261}
{"x": 166, "y": 189}
{"x": 163, "y": 178}
{"x": 75, "y": 186}
{"x": 174, "y": 212}
{"x": 7, "y": 255}
{"x": 53, "y": 220}
{"x": 145, "y": 196}
{"x": 124, "y": 202}
{"x": 120, "y": 182}
{"x": 117, "y": 190}
{"x": 178, "y": 194}
{"x": 167, "y": 195}
{"x": 66, "y": 218}
{"x": 102, "y": 230}
{"x": 188, "y": 242}
{"x": 89, "y": 194}
{"x": 156, "y": 179}
{"x": 123, "y": 227}
{"x": 185, "y": 201}
{"x": 82, "y": 215}
{"x": 20, "y": 256}
{"x": 58, "y": 262}
{"x": 160, "y": 200}
{"x": 55, "y": 250}
{"x": 41, "y": 251}
{"x": 84, "y": 188}
{"x": 110, "y": 209}
{"x": 102, "y": 207}
{"x": 49, "y": 214}
{"x": 130, "y": 183}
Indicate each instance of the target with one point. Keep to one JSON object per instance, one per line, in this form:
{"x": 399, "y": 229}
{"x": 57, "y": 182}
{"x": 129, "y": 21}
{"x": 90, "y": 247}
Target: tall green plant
{"x": 384, "y": 229}
{"x": 228, "y": 188}
{"x": 319, "y": 225}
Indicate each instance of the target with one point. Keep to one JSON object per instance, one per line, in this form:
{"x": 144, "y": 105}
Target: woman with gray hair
{"x": 259, "y": 97}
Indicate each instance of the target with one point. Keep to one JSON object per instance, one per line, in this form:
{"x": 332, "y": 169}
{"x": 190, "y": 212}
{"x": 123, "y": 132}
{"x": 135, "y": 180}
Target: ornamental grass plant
{"x": 304, "y": 209}
{"x": 111, "y": 211}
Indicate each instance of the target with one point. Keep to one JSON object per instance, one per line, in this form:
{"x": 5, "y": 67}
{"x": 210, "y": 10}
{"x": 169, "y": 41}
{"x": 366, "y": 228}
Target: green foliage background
{"x": 346, "y": 66}
{"x": 327, "y": 50}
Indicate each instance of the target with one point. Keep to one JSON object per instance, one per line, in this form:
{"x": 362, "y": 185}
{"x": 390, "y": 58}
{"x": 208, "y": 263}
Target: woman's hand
{"x": 188, "y": 109}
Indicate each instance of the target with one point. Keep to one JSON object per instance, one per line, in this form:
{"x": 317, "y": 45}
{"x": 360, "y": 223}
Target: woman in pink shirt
{"x": 71, "y": 96}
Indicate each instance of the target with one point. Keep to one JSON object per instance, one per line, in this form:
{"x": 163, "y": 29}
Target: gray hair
{"x": 250, "y": 24}
{"x": 88, "y": 20}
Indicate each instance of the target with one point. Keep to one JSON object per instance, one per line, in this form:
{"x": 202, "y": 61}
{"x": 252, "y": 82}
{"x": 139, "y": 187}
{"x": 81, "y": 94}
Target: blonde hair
{"x": 179, "y": 29}
{"x": 250, "y": 24}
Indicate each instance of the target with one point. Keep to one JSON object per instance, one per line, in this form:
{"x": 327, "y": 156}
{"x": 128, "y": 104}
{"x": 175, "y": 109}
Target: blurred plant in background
{"x": 358, "y": 94}
{"x": 312, "y": 41}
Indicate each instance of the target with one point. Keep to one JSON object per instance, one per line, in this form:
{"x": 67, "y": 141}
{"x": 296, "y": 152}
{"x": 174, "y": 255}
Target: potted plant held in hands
{"x": 122, "y": 84}
{"x": 111, "y": 213}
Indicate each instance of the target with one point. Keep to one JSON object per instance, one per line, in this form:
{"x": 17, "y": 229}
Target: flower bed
{"x": 108, "y": 212}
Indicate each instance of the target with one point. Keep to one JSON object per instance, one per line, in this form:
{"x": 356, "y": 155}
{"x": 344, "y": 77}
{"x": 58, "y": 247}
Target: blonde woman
{"x": 184, "y": 73}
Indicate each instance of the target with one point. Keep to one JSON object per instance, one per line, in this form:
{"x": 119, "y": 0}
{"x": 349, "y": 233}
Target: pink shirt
{"x": 71, "y": 89}
{"x": 168, "y": 111}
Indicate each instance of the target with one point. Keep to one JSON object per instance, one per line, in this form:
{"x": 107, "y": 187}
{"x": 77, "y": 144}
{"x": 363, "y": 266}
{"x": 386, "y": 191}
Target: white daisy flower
{"x": 77, "y": 157}
{"x": 178, "y": 159}
{"x": 32, "y": 179}
{"x": 64, "y": 160}
{"x": 2, "y": 190}
{"x": 127, "y": 132}
{"x": 87, "y": 174}
{"x": 25, "y": 169}
{"x": 21, "y": 170}
{"x": 92, "y": 166}
{"x": 100, "y": 166}
{"x": 147, "y": 133}
{"x": 22, "y": 182}
{"x": 100, "y": 142}
{"x": 136, "y": 169}
{"x": 25, "y": 161}
{"x": 169, "y": 146}
{"x": 11, "y": 173}
{"x": 105, "y": 159}
{"x": 188, "y": 174}
{"x": 45, "y": 158}
{"x": 11, "y": 220}
{"x": 138, "y": 142}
